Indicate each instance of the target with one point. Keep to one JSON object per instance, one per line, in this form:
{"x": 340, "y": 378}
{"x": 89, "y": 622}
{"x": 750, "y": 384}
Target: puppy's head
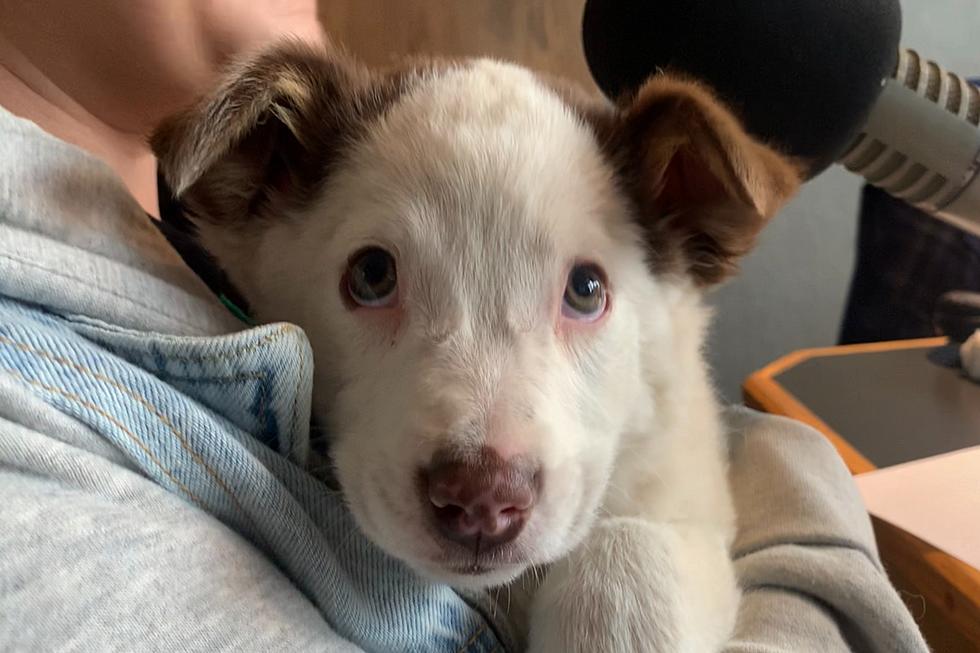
{"x": 496, "y": 279}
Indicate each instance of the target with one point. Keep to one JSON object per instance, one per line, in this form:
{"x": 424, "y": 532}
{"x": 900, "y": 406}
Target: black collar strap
{"x": 182, "y": 236}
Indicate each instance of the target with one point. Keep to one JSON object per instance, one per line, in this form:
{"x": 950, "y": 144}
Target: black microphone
{"x": 824, "y": 80}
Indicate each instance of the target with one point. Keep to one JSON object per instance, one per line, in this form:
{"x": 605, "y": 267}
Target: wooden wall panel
{"x": 541, "y": 34}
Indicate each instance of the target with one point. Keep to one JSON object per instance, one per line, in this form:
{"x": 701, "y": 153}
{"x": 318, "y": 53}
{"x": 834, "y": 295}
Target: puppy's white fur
{"x": 487, "y": 187}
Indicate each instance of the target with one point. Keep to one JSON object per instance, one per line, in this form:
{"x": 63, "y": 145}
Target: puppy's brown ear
{"x": 705, "y": 188}
{"x": 266, "y": 133}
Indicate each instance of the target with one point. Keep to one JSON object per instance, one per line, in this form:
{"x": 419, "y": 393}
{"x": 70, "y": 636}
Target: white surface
{"x": 792, "y": 289}
{"x": 936, "y": 499}
{"x": 970, "y": 355}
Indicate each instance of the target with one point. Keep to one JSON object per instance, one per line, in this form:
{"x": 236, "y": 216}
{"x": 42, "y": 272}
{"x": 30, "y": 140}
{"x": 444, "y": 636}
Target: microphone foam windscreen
{"x": 802, "y": 74}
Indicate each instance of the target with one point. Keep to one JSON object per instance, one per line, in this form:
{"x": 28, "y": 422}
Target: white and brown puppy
{"x": 502, "y": 286}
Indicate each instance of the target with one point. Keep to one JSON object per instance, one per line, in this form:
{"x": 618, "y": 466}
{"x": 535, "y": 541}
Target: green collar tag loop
{"x": 235, "y": 310}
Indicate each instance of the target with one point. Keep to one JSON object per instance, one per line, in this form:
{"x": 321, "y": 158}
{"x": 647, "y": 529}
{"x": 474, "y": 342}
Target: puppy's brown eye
{"x": 371, "y": 278}
{"x": 585, "y": 293}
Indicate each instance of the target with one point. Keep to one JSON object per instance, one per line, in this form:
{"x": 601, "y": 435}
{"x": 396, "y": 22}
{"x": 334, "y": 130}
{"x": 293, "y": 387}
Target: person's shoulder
{"x": 790, "y": 485}
{"x": 751, "y": 433}
{"x": 73, "y": 240}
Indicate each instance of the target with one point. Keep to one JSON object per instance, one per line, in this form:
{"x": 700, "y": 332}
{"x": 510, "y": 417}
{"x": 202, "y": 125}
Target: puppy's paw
{"x": 629, "y": 587}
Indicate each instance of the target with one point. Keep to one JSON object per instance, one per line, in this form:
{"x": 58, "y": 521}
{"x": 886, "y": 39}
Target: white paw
{"x": 624, "y": 590}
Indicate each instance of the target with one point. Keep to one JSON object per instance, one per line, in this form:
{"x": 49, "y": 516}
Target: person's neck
{"x": 26, "y": 92}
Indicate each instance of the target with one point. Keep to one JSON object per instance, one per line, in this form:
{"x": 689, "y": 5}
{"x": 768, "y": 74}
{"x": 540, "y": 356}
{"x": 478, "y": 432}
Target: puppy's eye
{"x": 371, "y": 278}
{"x": 585, "y": 293}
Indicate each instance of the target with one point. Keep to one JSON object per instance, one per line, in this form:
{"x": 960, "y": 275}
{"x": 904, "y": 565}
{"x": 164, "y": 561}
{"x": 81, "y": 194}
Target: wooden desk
{"x": 941, "y": 592}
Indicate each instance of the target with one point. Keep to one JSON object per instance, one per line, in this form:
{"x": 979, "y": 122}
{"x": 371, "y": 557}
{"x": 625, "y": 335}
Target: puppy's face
{"x": 484, "y": 270}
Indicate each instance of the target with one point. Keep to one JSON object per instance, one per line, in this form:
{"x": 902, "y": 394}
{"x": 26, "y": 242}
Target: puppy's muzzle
{"x": 479, "y": 500}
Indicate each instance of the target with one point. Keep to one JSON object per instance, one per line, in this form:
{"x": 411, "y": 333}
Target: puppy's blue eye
{"x": 585, "y": 293}
{"x": 371, "y": 277}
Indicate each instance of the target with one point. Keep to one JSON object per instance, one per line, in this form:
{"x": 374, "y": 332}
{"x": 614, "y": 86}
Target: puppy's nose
{"x": 480, "y": 501}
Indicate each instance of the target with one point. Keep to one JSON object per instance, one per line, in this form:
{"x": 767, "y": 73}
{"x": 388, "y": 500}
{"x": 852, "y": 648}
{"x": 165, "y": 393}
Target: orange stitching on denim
{"x": 276, "y": 335}
{"x": 132, "y": 436}
{"x": 473, "y": 637}
{"x": 153, "y": 409}
{"x": 243, "y": 349}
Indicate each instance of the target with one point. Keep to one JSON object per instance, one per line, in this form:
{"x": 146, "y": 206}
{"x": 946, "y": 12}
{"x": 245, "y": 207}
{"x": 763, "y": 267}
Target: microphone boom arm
{"x": 921, "y": 142}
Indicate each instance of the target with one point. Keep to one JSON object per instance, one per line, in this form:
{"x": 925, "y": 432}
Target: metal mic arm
{"x": 921, "y": 143}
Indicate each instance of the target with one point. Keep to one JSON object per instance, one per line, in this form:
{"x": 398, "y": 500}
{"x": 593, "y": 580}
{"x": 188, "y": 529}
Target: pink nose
{"x": 481, "y": 500}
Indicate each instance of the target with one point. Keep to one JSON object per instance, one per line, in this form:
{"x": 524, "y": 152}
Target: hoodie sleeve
{"x": 805, "y": 552}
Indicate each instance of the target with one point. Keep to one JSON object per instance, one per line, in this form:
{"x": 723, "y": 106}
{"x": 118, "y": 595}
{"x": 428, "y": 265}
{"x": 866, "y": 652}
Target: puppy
{"x": 502, "y": 283}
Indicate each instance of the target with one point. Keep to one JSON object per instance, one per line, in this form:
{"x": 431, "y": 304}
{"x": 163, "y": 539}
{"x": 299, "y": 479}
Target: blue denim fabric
{"x": 224, "y": 423}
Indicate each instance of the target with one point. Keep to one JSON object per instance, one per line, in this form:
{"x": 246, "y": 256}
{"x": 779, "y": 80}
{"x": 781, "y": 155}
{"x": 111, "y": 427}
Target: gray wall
{"x": 792, "y": 289}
